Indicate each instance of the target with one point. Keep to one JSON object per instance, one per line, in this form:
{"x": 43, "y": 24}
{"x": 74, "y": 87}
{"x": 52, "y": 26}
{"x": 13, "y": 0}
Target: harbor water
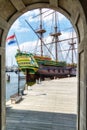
{"x": 12, "y": 85}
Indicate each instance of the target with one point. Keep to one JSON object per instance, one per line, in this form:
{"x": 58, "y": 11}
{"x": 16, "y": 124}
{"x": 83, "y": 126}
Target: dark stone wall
{"x": 84, "y": 6}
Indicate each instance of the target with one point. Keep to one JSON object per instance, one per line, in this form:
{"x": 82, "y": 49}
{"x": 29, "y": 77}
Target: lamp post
{"x": 18, "y": 82}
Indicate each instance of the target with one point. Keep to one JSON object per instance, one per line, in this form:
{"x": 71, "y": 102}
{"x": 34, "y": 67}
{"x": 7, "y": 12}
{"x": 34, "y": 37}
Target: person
{"x": 8, "y": 77}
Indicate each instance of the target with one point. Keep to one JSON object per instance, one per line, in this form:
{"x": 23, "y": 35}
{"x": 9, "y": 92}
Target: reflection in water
{"x": 12, "y": 84}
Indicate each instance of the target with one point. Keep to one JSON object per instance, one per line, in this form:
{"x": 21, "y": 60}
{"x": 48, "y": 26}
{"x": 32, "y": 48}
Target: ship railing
{"x": 40, "y": 55}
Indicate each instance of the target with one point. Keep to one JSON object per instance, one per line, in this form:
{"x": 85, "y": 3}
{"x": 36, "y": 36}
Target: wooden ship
{"x": 40, "y": 66}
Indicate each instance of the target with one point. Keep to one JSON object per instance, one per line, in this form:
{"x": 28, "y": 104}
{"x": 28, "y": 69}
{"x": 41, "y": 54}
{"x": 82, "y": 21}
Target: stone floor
{"x": 51, "y": 105}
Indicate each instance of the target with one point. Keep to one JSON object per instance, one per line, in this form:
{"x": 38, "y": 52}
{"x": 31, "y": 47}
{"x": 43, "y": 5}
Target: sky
{"x": 27, "y": 39}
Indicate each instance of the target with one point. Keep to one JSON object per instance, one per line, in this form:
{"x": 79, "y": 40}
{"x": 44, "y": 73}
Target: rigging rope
{"x": 40, "y": 39}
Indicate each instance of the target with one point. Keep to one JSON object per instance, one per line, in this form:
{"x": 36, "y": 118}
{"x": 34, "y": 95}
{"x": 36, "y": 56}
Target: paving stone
{"x": 51, "y": 105}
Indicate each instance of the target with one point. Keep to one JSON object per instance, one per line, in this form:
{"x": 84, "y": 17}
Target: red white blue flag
{"x": 11, "y": 39}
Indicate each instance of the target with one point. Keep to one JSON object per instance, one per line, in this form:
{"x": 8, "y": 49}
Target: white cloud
{"x": 18, "y": 27}
{"x": 29, "y": 46}
{"x": 12, "y": 50}
{"x": 29, "y": 16}
{"x": 10, "y": 55}
{"x": 47, "y": 15}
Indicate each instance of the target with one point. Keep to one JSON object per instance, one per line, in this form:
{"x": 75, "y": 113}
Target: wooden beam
{"x": 18, "y": 4}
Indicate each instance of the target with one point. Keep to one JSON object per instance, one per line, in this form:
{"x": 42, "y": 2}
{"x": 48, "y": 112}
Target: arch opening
{"x": 60, "y": 29}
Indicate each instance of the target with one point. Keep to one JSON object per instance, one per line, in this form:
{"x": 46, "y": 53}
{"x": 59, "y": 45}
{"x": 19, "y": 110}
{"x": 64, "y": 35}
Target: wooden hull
{"x": 55, "y": 72}
{"x": 35, "y": 67}
{"x": 26, "y": 62}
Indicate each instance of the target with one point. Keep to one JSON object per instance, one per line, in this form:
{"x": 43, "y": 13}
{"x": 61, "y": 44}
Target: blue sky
{"x": 27, "y": 39}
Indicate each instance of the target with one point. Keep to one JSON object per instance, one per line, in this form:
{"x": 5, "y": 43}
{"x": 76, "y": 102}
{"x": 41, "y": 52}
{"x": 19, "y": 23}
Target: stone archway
{"x": 72, "y": 9}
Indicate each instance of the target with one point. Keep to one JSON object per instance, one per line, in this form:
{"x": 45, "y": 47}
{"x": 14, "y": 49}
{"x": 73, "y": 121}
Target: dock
{"x": 49, "y": 105}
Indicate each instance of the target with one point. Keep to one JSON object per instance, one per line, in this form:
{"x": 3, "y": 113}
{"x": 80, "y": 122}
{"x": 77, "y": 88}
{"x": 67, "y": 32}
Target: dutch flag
{"x": 11, "y": 39}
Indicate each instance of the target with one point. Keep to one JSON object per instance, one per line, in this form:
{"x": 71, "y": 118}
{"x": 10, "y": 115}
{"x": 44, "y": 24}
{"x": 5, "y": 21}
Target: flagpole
{"x": 17, "y": 42}
{"x": 18, "y": 68}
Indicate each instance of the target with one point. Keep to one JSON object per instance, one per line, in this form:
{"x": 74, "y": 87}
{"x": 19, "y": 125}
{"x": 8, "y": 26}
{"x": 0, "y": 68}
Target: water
{"x": 12, "y": 86}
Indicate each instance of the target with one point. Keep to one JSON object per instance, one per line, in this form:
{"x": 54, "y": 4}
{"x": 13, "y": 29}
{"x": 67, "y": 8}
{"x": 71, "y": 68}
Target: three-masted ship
{"x": 41, "y": 66}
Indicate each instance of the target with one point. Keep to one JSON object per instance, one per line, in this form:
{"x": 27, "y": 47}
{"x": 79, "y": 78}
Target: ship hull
{"x": 42, "y": 67}
{"x": 55, "y": 72}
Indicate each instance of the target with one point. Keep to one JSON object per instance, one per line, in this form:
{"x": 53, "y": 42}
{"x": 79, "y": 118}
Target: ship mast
{"x": 72, "y": 49}
{"x": 56, "y": 35}
{"x": 41, "y": 31}
{"x": 39, "y": 37}
{"x": 72, "y": 46}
